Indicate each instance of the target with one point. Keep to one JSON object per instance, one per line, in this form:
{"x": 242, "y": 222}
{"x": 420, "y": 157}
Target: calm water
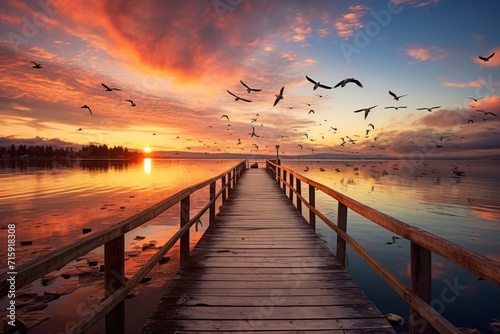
{"x": 51, "y": 202}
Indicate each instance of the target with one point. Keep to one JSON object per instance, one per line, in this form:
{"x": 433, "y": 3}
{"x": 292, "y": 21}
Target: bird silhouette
{"x": 249, "y": 90}
{"x": 132, "y": 104}
{"x": 109, "y": 89}
{"x": 486, "y": 112}
{"x": 475, "y": 99}
{"x": 346, "y": 81}
{"x": 86, "y": 107}
{"x": 36, "y": 65}
{"x": 317, "y": 84}
{"x": 366, "y": 110}
{"x": 310, "y": 112}
{"x": 396, "y": 98}
{"x": 226, "y": 117}
{"x": 236, "y": 97}
{"x": 429, "y": 109}
{"x": 279, "y": 96}
{"x": 253, "y": 134}
{"x": 393, "y": 107}
{"x": 487, "y": 58}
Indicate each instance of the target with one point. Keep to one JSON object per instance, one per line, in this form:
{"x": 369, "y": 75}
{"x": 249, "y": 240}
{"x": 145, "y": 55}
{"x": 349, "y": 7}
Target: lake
{"x": 51, "y": 202}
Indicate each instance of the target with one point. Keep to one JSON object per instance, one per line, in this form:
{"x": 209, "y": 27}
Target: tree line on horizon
{"x": 85, "y": 152}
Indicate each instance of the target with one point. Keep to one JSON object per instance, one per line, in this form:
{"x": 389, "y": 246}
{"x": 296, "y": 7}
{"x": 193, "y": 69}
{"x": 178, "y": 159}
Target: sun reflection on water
{"x": 147, "y": 166}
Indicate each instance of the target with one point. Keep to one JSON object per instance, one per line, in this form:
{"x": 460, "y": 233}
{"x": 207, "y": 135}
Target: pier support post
{"x": 299, "y": 192}
{"x": 224, "y": 191}
{"x": 284, "y": 181}
{"x": 342, "y": 224}
{"x": 184, "y": 219}
{"x": 290, "y": 194}
{"x": 114, "y": 271}
{"x": 312, "y": 202}
{"x": 420, "y": 284}
{"x": 211, "y": 218}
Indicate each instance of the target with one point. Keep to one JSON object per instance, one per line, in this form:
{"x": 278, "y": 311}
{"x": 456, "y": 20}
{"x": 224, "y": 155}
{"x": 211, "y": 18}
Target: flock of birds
{"x": 365, "y": 111}
{"x": 316, "y": 85}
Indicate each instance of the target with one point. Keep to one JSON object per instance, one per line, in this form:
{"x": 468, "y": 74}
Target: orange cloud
{"x": 424, "y": 54}
{"x": 348, "y": 22}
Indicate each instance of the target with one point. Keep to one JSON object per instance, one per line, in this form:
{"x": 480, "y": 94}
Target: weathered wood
{"x": 114, "y": 279}
{"x": 262, "y": 258}
{"x": 184, "y": 220}
{"x": 290, "y": 193}
{"x": 342, "y": 224}
{"x": 299, "y": 194}
{"x": 224, "y": 190}
{"x": 312, "y": 202}
{"x": 420, "y": 284}
{"x": 211, "y": 216}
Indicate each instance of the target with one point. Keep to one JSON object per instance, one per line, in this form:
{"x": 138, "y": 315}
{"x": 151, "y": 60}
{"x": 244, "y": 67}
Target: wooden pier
{"x": 260, "y": 267}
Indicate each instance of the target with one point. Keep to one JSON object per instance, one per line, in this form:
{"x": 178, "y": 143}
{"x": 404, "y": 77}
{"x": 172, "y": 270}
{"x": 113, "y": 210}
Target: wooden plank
{"x": 260, "y": 267}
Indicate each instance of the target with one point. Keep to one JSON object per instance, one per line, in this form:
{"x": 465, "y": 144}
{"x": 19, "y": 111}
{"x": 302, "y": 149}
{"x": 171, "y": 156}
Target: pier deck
{"x": 262, "y": 268}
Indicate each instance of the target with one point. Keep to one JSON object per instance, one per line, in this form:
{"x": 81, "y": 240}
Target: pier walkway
{"x": 260, "y": 267}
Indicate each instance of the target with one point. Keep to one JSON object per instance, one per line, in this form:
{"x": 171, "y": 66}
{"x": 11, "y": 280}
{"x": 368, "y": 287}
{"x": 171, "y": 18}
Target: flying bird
{"x": 279, "y": 96}
{"x": 396, "y": 98}
{"x": 109, "y": 89}
{"x": 317, "y": 84}
{"x": 132, "y": 104}
{"x": 249, "y": 90}
{"x": 310, "y": 112}
{"x": 252, "y": 134}
{"x": 487, "y": 58}
{"x": 346, "y": 81}
{"x": 79, "y": 129}
{"x": 373, "y": 126}
{"x": 366, "y": 110}
{"x": 475, "y": 99}
{"x": 236, "y": 97}
{"x": 429, "y": 109}
{"x": 299, "y": 146}
{"x": 393, "y": 107}
{"x": 486, "y": 112}
{"x": 36, "y": 65}
{"x": 87, "y": 107}
{"x": 225, "y": 116}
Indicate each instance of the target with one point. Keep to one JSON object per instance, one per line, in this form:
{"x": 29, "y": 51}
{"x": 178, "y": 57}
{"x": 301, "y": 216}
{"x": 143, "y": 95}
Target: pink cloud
{"x": 423, "y": 54}
{"x": 416, "y": 3}
{"x": 348, "y": 22}
{"x": 475, "y": 83}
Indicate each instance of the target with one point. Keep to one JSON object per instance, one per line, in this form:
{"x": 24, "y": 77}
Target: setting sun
{"x": 147, "y": 149}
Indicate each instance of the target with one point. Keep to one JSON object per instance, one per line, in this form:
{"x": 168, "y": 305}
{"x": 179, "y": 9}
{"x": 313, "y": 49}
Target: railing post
{"x": 284, "y": 181}
{"x": 299, "y": 192}
{"x": 312, "y": 202}
{"x": 211, "y": 218}
{"x": 234, "y": 177}
{"x": 184, "y": 215}
{"x": 224, "y": 191}
{"x": 420, "y": 284}
{"x": 114, "y": 271}
{"x": 342, "y": 224}
{"x": 290, "y": 194}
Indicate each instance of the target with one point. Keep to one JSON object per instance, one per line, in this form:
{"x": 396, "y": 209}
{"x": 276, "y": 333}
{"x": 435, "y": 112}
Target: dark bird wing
{"x": 105, "y": 86}
{"x": 357, "y": 82}
{"x": 242, "y": 99}
{"x": 393, "y": 95}
{"x": 244, "y": 84}
{"x": 341, "y": 83}
{"x": 310, "y": 80}
{"x": 232, "y": 93}
{"x": 324, "y": 86}
{"x": 282, "y": 90}
{"x": 373, "y": 127}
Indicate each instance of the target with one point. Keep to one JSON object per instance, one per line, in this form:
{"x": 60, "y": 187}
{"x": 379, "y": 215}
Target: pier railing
{"x": 422, "y": 245}
{"x": 117, "y": 287}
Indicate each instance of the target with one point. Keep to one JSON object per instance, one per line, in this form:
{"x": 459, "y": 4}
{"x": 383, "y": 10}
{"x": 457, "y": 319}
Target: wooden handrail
{"x": 422, "y": 244}
{"x": 35, "y": 269}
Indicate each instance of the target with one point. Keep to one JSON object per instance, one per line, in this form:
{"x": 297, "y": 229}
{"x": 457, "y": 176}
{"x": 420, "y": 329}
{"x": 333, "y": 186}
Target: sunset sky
{"x": 176, "y": 59}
